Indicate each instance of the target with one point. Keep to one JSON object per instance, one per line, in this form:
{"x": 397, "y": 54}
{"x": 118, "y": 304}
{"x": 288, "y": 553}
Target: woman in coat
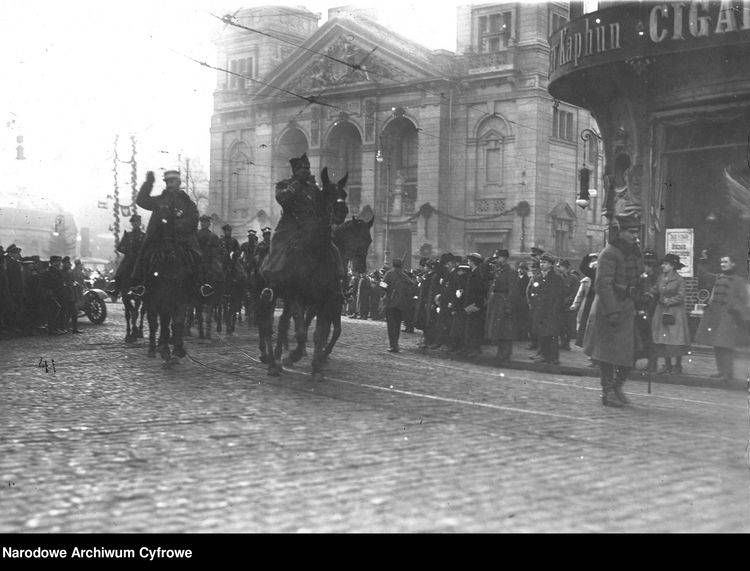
{"x": 725, "y": 319}
{"x": 585, "y": 296}
{"x": 669, "y": 324}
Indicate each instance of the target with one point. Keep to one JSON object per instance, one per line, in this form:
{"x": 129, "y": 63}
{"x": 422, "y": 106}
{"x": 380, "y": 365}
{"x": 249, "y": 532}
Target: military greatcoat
{"x": 505, "y": 298}
{"x": 725, "y": 320}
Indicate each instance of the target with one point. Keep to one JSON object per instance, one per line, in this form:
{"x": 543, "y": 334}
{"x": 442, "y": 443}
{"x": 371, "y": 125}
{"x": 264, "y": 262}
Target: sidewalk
{"x": 697, "y": 367}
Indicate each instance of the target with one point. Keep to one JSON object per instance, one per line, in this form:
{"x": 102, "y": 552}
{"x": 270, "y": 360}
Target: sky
{"x": 78, "y": 73}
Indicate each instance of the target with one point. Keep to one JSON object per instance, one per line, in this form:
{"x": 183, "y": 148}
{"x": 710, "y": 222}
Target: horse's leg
{"x": 153, "y": 325}
{"x": 126, "y": 305}
{"x": 322, "y": 329}
{"x": 300, "y": 332}
{"x": 178, "y": 327}
{"x": 266, "y": 305}
{"x": 164, "y": 327}
{"x": 189, "y": 319}
{"x": 140, "y": 308}
{"x": 282, "y": 338}
{"x": 334, "y": 336}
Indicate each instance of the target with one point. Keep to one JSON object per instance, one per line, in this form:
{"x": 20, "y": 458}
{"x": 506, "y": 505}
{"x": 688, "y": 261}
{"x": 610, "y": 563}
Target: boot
{"x": 610, "y": 398}
{"x": 678, "y": 366}
{"x": 619, "y": 393}
{"x": 667, "y": 367}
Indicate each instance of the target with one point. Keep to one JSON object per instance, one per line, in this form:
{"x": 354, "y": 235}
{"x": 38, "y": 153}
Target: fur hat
{"x": 300, "y": 162}
{"x": 54, "y": 259}
{"x": 13, "y": 248}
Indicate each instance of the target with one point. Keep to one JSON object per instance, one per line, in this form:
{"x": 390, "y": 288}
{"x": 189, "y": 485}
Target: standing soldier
{"x": 475, "y": 299}
{"x": 70, "y": 296}
{"x": 34, "y": 312}
{"x": 456, "y": 306}
{"x": 545, "y": 297}
{"x": 570, "y": 288}
{"x": 129, "y": 247}
{"x": 522, "y": 311}
{"x": 504, "y": 300}
{"x": 397, "y": 290}
{"x": 230, "y": 247}
{"x": 533, "y": 274}
{"x": 610, "y": 333}
{"x": 52, "y": 284}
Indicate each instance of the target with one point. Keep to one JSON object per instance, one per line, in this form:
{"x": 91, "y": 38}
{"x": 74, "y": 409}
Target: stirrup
{"x": 207, "y": 290}
{"x": 138, "y": 290}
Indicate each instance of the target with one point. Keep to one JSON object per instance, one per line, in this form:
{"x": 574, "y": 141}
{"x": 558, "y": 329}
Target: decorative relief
{"x": 479, "y": 63}
{"x": 489, "y": 205}
{"x": 325, "y": 72}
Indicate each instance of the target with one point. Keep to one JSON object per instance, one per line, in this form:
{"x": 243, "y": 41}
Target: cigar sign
{"x": 645, "y": 29}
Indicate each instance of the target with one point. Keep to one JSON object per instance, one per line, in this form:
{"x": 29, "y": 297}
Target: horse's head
{"x": 335, "y": 196}
{"x": 353, "y": 240}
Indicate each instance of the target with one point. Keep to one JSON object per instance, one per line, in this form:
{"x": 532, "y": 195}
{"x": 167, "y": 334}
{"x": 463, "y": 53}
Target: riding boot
{"x": 621, "y": 375}
{"x": 609, "y": 396}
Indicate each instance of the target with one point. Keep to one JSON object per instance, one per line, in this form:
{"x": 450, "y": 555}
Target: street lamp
{"x": 585, "y": 194}
{"x": 379, "y": 158}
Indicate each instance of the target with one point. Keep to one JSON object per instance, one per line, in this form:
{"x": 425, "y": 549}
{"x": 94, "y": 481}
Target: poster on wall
{"x": 680, "y": 241}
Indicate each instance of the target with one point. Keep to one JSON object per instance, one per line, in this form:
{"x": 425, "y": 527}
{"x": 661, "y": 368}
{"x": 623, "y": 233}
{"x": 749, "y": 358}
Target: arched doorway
{"x": 292, "y": 143}
{"x": 399, "y": 144}
{"x": 343, "y": 154}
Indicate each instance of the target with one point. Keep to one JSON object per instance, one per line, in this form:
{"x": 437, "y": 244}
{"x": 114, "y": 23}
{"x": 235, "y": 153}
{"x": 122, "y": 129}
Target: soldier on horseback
{"x": 299, "y": 230}
{"x": 174, "y": 219}
{"x": 229, "y": 245}
{"x": 129, "y": 246}
{"x": 210, "y": 246}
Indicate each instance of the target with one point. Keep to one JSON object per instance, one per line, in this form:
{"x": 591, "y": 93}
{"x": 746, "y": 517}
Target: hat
{"x": 205, "y": 217}
{"x": 547, "y": 258}
{"x": 628, "y": 221}
{"x": 66, "y": 259}
{"x": 252, "y": 231}
{"x": 522, "y": 266}
{"x": 171, "y": 174}
{"x": 564, "y": 263}
{"x": 703, "y": 255}
{"x": 13, "y": 248}
{"x": 649, "y": 256}
{"x": 135, "y": 217}
{"x": 476, "y": 257}
{"x": 536, "y": 251}
{"x": 300, "y": 162}
{"x": 673, "y": 260}
{"x": 445, "y": 258}
{"x": 266, "y": 229}
{"x": 464, "y": 267}
{"x": 502, "y": 253}
{"x": 226, "y": 227}
{"x": 54, "y": 259}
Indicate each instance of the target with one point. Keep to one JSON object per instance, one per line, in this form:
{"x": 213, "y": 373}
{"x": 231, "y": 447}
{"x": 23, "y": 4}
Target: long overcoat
{"x": 724, "y": 322}
{"x": 546, "y": 295}
{"x": 503, "y": 304}
{"x": 670, "y": 293}
{"x": 616, "y": 287}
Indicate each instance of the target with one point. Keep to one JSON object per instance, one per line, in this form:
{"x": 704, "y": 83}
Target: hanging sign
{"x": 680, "y": 241}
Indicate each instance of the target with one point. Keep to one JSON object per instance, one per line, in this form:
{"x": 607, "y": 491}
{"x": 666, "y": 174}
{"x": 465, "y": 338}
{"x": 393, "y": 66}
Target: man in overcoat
{"x": 724, "y": 325}
{"x": 475, "y": 298}
{"x": 546, "y": 302}
{"x": 503, "y": 303}
{"x": 610, "y": 332}
{"x": 398, "y": 286}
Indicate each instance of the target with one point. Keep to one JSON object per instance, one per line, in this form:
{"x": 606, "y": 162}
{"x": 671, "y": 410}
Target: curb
{"x": 570, "y": 370}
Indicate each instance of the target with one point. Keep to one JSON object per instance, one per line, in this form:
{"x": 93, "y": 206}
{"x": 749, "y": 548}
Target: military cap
{"x": 522, "y": 266}
{"x": 266, "y": 229}
{"x": 476, "y": 257}
{"x": 547, "y": 258}
{"x": 502, "y": 253}
{"x": 564, "y": 263}
{"x": 55, "y": 259}
{"x": 536, "y": 251}
{"x": 226, "y": 227}
{"x": 252, "y": 231}
{"x": 649, "y": 256}
{"x": 300, "y": 162}
{"x": 464, "y": 267}
{"x": 13, "y": 248}
{"x": 628, "y": 221}
{"x": 445, "y": 258}
{"x": 171, "y": 174}
{"x": 205, "y": 217}
{"x": 674, "y": 261}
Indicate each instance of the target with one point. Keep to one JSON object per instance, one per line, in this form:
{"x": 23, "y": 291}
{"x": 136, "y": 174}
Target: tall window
{"x": 240, "y": 67}
{"x": 490, "y": 157}
{"x": 561, "y": 229}
{"x": 562, "y": 125}
{"x": 239, "y": 173}
{"x": 494, "y": 32}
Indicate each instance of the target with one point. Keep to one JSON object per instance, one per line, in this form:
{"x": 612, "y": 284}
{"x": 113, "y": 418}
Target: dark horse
{"x": 230, "y": 302}
{"x": 317, "y": 282}
{"x": 168, "y": 285}
{"x": 353, "y": 240}
{"x": 133, "y": 305}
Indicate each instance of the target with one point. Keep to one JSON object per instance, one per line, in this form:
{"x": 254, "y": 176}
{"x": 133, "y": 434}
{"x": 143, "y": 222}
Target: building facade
{"x": 460, "y": 152}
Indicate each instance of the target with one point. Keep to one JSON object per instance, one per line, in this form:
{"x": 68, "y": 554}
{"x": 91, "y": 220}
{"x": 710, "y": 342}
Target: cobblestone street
{"x": 109, "y": 441}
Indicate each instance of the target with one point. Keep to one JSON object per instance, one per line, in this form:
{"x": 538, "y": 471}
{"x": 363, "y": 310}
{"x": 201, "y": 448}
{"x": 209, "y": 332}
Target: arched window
{"x": 239, "y": 171}
{"x": 293, "y": 143}
{"x": 490, "y": 159}
{"x": 400, "y": 147}
{"x": 343, "y": 154}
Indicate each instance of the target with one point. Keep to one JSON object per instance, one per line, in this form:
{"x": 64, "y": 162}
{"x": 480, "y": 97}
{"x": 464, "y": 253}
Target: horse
{"x": 133, "y": 305}
{"x": 168, "y": 285}
{"x": 319, "y": 288}
{"x": 205, "y": 306}
{"x": 353, "y": 239}
{"x": 230, "y": 303}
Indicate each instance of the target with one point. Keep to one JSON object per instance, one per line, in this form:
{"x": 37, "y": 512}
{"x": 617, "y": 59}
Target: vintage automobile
{"x": 91, "y": 303}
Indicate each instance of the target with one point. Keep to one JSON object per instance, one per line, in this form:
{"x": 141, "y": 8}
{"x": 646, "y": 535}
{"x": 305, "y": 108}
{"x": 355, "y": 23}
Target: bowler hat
{"x": 674, "y": 261}
{"x": 171, "y": 174}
